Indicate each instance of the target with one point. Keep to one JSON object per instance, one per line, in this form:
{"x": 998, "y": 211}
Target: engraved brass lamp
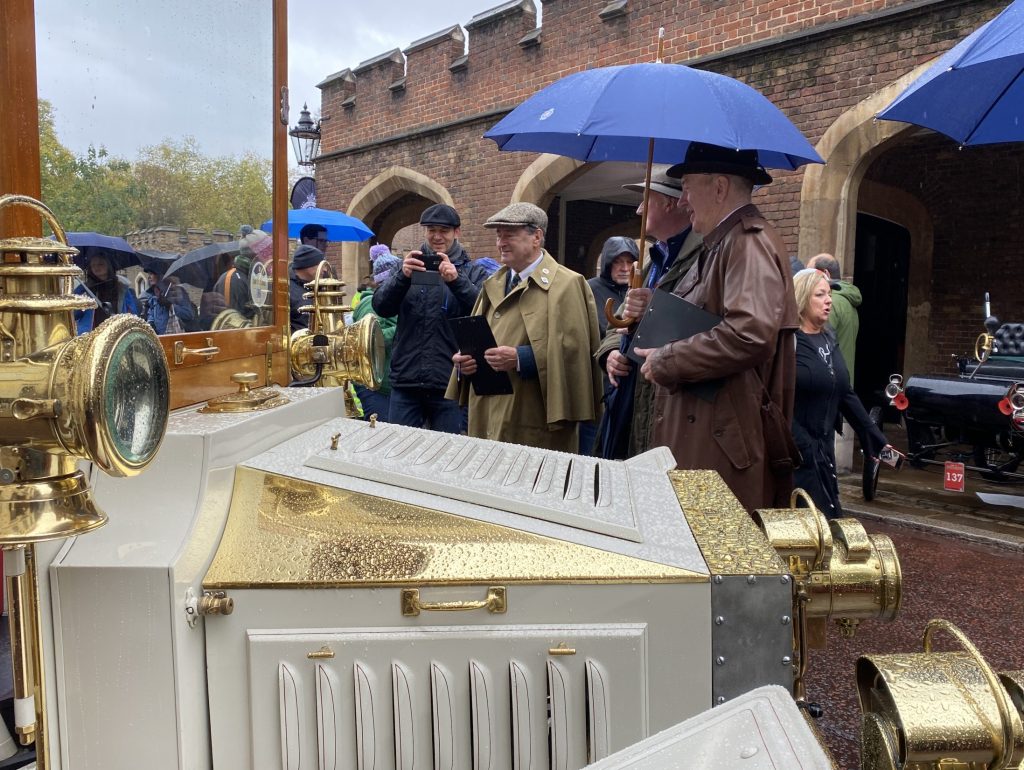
{"x": 101, "y": 396}
{"x": 939, "y": 710}
{"x": 328, "y": 347}
{"x": 839, "y": 572}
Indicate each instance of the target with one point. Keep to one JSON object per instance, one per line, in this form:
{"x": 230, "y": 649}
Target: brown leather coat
{"x": 744, "y": 277}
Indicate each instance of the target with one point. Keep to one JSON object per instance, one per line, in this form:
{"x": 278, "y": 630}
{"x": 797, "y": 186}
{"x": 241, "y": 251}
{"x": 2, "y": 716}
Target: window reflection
{"x": 156, "y": 126}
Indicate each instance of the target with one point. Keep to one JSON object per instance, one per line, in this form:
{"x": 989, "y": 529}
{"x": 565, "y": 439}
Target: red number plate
{"x": 954, "y": 479}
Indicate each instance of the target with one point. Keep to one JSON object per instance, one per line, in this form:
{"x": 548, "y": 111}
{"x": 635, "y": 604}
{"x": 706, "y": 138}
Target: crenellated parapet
{"x": 500, "y": 56}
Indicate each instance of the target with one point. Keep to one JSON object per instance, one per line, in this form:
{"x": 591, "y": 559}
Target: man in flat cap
{"x": 544, "y": 322}
{"x": 305, "y": 261}
{"x": 740, "y": 429}
{"x": 675, "y": 248}
{"x": 436, "y": 282}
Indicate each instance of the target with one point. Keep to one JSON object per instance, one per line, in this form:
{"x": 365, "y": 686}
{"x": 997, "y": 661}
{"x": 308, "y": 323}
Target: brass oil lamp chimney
{"x": 100, "y": 397}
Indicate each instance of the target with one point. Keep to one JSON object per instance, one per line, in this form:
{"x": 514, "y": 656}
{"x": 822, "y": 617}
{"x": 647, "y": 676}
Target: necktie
{"x": 516, "y": 280}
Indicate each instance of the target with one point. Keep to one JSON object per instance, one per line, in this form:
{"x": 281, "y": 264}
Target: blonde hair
{"x": 804, "y": 284}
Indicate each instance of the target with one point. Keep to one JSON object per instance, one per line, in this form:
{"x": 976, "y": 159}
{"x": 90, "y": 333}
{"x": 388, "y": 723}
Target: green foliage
{"x": 171, "y": 183}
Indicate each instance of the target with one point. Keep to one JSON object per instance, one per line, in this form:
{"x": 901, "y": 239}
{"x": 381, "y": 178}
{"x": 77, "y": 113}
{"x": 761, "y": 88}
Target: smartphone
{"x": 430, "y": 260}
{"x": 891, "y": 456}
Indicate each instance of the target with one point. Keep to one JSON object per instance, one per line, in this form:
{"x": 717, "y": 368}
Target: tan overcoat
{"x": 745, "y": 277}
{"x": 553, "y": 311}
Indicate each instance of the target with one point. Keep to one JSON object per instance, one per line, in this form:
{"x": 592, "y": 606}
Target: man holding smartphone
{"x": 437, "y": 282}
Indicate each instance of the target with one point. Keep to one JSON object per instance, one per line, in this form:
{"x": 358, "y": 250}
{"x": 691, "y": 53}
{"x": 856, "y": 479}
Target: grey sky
{"x": 129, "y": 73}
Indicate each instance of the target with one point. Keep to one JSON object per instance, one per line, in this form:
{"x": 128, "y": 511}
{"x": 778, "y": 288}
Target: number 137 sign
{"x": 954, "y": 478}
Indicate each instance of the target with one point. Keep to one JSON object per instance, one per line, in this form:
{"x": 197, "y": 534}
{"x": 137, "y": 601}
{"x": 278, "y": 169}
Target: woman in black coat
{"x": 823, "y": 392}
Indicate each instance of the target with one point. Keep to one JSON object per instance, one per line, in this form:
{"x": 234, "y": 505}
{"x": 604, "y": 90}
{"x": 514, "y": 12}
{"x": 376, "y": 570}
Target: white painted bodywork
{"x": 134, "y": 684}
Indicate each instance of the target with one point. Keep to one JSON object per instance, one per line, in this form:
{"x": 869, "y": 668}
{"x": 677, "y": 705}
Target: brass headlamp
{"x": 101, "y": 396}
{"x": 939, "y": 710}
{"x": 839, "y": 572}
{"x": 329, "y": 347}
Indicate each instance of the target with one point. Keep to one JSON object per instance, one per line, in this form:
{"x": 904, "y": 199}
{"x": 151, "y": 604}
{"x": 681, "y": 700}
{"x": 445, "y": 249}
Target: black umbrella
{"x": 617, "y": 420}
{"x": 155, "y": 261}
{"x": 200, "y": 267}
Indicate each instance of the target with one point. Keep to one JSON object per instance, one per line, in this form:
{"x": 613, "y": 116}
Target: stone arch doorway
{"x": 563, "y": 187}
{"x": 388, "y": 202}
{"x": 832, "y": 196}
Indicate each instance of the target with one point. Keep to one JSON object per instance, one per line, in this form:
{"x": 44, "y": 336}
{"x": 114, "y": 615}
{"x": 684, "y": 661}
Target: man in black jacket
{"x": 437, "y": 282}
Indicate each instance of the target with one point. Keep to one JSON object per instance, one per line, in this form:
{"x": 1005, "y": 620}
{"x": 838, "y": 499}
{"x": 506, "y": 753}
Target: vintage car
{"x": 976, "y": 414}
{"x": 208, "y": 568}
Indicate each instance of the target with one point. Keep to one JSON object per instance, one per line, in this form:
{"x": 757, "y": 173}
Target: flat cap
{"x": 519, "y": 215}
{"x": 441, "y": 214}
{"x": 660, "y": 182}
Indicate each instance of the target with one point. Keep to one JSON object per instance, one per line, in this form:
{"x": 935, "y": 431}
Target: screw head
{"x": 718, "y": 579}
{"x": 784, "y": 579}
{"x": 720, "y": 700}
{"x": 786, "y": 660}
{"x": 751, "y": 579}
{"x": 719, "y": 620}
{"x": 720, "y": 660}
{"x": 785, "y": 620}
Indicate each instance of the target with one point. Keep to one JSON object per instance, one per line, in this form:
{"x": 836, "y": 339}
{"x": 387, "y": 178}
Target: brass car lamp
{"x": 937, "y": 710}
{"x": 839, "y": 572}
{"x": 101, "y": 396}
{"x": 329, "y": 347}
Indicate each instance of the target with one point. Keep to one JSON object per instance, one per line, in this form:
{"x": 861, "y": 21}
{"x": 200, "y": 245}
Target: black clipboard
{"x": 474, "y": 336}
{"x": 670, "y": 318}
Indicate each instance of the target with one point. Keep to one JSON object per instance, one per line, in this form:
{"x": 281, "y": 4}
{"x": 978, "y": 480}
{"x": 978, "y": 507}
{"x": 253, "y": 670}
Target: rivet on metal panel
{"x": 751, "y": 579}
{"x": 720, "y": 660}
{"x": 718, "y": 579}
{"x": 719, "y": 620}
{"x": 785, "y": 620}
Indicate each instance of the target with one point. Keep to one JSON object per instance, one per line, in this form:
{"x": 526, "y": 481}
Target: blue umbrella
{"x": 120, "y": 253}
{"x": 340, "y": 227}
{"x": 612, "y": 113}
{"x": 974, "y": 93}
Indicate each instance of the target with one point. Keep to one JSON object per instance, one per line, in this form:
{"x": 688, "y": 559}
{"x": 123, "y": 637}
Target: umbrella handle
{"x": 42, "y": 210}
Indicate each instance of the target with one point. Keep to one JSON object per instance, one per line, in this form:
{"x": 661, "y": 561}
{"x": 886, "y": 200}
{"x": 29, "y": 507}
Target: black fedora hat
{"x": 711, "y": 159}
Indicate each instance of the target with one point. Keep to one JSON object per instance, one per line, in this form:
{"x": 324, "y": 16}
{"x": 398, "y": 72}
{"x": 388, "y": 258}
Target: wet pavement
{"x": 962, "y": 560}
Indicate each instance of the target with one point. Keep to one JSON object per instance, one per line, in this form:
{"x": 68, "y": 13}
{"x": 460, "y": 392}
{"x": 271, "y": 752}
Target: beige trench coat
{"x": 553, "y": 311}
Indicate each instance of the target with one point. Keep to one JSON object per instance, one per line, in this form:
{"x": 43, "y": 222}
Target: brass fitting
{"x": 938, "y": 710}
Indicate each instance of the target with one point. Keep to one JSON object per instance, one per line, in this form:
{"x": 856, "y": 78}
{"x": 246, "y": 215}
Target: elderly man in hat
{"x": 739, "y": 426}
{"x": 305, "y": 262}
{"x": 254, "y": 246}
{"x": 544, "y": 322}
{"x": 675, "y": 249}
{"x": 436, "y": 282}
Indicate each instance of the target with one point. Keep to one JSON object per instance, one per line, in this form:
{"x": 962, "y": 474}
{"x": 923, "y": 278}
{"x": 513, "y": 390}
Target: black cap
{"x": 711, "y": 159}
{"x": 441, "y": 214}
{"x": 307, "y": 256}
{"x": 157, "y": 267}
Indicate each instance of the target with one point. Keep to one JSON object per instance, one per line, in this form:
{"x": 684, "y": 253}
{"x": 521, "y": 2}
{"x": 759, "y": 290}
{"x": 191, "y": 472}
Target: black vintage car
{"x": 976, "y": 414}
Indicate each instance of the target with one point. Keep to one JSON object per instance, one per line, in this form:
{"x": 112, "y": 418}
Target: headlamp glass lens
{"x": 136, "y": 396}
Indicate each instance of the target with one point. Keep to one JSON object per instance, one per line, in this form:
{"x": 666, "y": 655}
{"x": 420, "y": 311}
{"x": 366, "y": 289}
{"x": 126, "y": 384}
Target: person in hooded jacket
{"x": 617, "y": 257}
{"x": 421, "y": 358}
{"x": 112, "y": 291}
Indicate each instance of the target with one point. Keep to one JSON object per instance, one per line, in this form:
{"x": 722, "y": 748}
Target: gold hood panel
{"x": 286, "y": 533}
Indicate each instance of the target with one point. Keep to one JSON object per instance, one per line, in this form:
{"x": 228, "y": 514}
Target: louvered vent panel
{"x": 583, "y": 492}
{"x": 448, "y": 699}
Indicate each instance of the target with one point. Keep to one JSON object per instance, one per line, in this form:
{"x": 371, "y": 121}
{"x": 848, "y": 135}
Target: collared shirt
{"x": 526, "y": 270}
{"x": 663, "y": 255}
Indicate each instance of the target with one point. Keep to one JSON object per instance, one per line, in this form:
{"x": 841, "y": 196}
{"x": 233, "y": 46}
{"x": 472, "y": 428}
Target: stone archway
{"x": 828, "y": 196}
{"x": 374, "y": 197}
{"x": 832, "y": 195}
{"x": 538, "y": 180}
